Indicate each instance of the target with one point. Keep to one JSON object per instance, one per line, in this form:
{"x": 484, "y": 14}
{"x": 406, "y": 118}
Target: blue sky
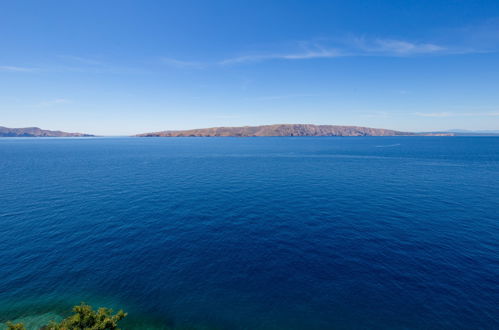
{"x": 126, "y": 67}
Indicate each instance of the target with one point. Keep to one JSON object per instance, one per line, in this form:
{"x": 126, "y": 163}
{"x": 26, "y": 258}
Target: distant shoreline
{"x": 278, "y": 130}
{"x": 291, "y": 130}
{"x": 37, "y": 132}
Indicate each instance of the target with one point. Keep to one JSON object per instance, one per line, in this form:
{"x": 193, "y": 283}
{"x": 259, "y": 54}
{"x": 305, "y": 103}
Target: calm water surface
{"x": 253, "y": 233}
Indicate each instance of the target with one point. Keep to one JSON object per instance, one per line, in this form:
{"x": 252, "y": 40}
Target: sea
{"x": 252, "y": 233}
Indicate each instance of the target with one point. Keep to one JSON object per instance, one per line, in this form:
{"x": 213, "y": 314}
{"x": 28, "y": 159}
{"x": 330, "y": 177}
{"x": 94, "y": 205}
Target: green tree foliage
{"x": 84, "y": 318}
{"x": 16, "y": 326}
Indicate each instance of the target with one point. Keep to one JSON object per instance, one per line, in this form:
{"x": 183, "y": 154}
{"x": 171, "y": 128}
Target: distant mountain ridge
{"x": 36, "y": 132}
{"x": 282, "y": 130}
{"x": 480, "y": 131}
{"x": 464, "y": 132}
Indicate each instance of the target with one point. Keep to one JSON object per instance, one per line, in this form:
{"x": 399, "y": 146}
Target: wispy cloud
{"x": 77, "y": 64}
{"x": 353, "y": 46}
{"x": 53, "y": 102}
{"x": 180, "y": 63}
{"x": 456, "y": 114}
{"x": 7, "y": 68}
{"x": 391, "y": 47}
{"x": 302, "y": 55}
{"x": 468, "y": 40}
{"x": 346, "y": 47}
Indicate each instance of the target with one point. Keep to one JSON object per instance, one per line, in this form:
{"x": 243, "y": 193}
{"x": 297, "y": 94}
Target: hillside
{"x": 281, "y": 130}
{"x": 36, "y": 132}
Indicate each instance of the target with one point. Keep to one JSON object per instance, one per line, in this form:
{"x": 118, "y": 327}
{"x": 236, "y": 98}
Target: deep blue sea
{"x": 253, "y": 233}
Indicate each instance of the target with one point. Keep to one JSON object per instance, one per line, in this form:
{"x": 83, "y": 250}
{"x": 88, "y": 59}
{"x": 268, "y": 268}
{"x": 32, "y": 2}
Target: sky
{"x": 127, "y": 67}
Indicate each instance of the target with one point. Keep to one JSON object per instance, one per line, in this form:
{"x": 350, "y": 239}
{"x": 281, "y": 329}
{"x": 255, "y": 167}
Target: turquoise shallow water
{"x": 253, "y": 233}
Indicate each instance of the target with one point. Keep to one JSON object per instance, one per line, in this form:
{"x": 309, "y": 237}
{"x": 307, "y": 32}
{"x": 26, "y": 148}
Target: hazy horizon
{"x": 457, "y": 130}
{"x": 125, "y": 67}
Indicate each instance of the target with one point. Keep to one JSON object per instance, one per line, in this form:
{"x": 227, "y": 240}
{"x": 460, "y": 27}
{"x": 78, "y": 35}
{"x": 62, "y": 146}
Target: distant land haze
{"x": 36, "y": 132}
{"x": 253, "y": 131}
{"x": 287, "y": 130}
{"x": 464, "y": 132}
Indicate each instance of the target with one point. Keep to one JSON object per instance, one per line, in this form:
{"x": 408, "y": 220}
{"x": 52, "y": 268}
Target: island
{"x": 285, "y": 130}
{"x": 36, "y": 132}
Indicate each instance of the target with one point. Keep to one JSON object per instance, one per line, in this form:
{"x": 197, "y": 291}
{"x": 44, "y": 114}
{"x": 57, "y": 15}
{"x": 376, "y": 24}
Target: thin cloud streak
{"x": 305, "y": 50}
{"x": 350, "y": 47}
{"x": 391, "y": 47}
{"x": 322, "y": 53}
{"x": 355, "y": 46}
{"x": 7, "y": 68}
